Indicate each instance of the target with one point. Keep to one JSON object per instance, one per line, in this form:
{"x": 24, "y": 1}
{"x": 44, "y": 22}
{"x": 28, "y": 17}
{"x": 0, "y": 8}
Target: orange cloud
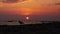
{"x": 11, "y": 1}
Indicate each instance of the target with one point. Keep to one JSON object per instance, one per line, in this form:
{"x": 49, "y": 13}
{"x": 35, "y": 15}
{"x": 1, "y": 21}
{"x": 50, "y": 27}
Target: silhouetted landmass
{"x": 16, "y": 21}
{"x": 50, "y": 21}
{"x": 45, "y": 28}
{"x": 10, "y": 21}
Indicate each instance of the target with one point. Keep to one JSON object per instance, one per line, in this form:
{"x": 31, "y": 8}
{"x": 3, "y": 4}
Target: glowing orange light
{"x": 27, "y": 18}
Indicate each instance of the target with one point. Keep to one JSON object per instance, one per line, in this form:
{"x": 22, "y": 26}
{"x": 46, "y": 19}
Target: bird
{"x": 20, "y": 22}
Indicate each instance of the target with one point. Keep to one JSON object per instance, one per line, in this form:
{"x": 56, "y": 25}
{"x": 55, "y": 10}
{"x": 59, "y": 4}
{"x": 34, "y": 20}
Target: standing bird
{"x": 20, "y": 22}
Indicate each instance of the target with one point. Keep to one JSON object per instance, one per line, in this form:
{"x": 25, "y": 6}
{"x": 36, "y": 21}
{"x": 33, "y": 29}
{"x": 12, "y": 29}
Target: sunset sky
{"x": 36, "y": 9}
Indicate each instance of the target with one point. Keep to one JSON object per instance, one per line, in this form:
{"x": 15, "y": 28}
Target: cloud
{"x": 9, "y": 1}
{"x": 57, "y": 3}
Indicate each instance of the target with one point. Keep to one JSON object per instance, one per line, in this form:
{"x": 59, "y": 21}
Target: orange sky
{"x": 28, "y": 7}
{"x": 31, "y": 7}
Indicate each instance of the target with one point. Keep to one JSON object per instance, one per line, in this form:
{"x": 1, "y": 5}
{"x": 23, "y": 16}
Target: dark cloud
{"x": 57, "y": 3}
{"x": 10, "y": 1}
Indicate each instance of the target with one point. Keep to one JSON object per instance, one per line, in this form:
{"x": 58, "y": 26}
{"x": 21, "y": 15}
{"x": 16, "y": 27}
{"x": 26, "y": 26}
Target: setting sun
{"x": 27, "y": 18}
